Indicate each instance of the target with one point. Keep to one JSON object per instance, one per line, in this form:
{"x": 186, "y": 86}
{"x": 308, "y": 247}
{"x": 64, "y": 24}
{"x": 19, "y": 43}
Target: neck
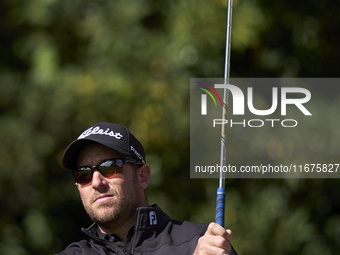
{"x": 121, "y": 231}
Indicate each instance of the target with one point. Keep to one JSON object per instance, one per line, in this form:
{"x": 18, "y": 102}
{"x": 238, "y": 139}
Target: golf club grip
{"x": 220, "y": 205}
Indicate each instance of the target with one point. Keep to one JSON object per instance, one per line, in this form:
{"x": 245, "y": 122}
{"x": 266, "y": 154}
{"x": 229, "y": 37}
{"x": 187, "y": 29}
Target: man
{"x": 109, "y": 168}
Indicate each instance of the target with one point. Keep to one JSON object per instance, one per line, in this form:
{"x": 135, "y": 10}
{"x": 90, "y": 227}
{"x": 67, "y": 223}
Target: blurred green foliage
{"x": 65, "y": 65}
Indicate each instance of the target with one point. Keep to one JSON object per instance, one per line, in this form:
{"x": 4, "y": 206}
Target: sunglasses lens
{"x": 83, "y": 175}
{"x": 111, "y": 168}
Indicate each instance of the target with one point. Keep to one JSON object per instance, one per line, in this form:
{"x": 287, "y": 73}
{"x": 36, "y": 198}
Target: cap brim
{"x": 71, "y": 153}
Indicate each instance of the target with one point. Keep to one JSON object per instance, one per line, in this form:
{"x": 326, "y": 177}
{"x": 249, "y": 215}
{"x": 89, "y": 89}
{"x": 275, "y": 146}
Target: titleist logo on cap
{"x": 98, "y": 131}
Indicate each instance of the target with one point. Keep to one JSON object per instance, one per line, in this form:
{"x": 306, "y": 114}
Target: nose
{"x": 98, "y": 180}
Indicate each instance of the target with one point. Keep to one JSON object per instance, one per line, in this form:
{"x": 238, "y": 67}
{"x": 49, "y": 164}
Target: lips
{"x": 103, "y": 197}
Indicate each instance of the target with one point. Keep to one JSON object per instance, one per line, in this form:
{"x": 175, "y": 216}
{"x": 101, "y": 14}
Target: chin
{"x": 103, "y": 215}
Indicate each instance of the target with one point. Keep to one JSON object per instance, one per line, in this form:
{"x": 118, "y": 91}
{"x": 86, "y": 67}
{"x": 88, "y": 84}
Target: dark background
{"x": 65, "y": 65}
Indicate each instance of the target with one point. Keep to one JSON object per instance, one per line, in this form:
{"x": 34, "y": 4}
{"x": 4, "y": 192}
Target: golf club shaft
{"x": 220, "y": 201}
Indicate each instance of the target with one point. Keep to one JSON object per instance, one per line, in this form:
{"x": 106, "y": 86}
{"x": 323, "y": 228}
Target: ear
{"x": 144, "y": 174}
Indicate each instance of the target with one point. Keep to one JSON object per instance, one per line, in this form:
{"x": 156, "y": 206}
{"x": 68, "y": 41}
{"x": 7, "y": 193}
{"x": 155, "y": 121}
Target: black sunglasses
{"x": 109, "y": 169}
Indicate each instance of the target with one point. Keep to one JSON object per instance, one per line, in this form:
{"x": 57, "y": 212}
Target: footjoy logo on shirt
{"x": 153, "y": 219}
{"x": 98, "y": 131}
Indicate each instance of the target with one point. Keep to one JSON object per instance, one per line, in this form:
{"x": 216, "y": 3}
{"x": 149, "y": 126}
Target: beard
{"x": 116, "y": 212}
